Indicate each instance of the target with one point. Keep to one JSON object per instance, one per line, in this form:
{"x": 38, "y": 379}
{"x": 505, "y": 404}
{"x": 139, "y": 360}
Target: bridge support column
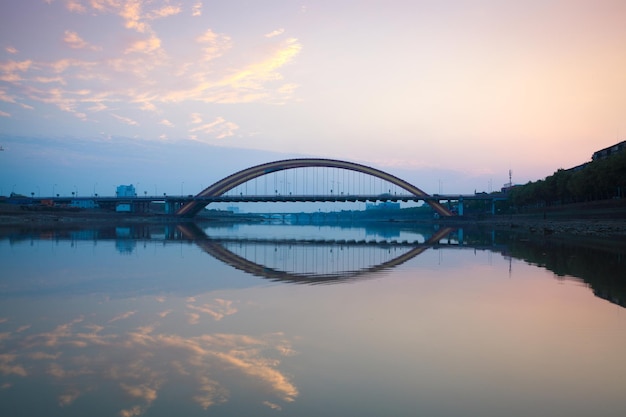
{"x": 493, "y": 206}
{"x": 170, "y": 207}
{"x": 460, "y": 209}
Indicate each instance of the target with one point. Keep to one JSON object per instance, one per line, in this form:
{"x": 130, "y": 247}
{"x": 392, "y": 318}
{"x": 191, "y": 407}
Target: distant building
{"x": 610, "y": 151}
{"x": 126, "y": 191}
{"x": 508, "y": 187}
{"x": 602, "y": 154}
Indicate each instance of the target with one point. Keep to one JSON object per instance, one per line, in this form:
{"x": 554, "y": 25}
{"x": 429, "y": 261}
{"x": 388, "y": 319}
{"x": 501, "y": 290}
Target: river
{"x": 272, "y": 319}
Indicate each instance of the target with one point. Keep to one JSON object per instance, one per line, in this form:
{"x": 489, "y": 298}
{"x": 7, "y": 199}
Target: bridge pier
{"x": 170, "y": 207}
{"x": 460, "y": 208}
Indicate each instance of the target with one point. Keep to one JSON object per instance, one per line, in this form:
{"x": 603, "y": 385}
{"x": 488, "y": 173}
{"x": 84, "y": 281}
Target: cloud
{"x": 218, "y": 309}
{"x": 253, "y": 76}
{"x": 73, "y": 40}
{"x": 193, "y": 318}
{"x": 219, "y": 128}
{"x": 50, "y": 80}
{"x": 131, "y": 13}
{"x": 275, "y": 33}
{"x": 97, "y": 108}
{"x": 196, "y": 118}
{"x": 75, "y": 6}
{"x": 44, "y": 355}
{"x": 132, "y": 412}
{"x": 142, "y": 391}
{"x": 62, "y": 65}
{"x": 11, "y": 50}
{"x": 196, "y": 10}
{"x": 146, "y": 46}
{"x": 147, "y": 68}
{"x": 210, "y": 392}
{"x": 4, "y": 114}
{"x": 7, "y": 99}
{"x": 122, "y": 316}
{"x": 9, "y": 70}
{"x": 126, "y": 120}
{"x": 7, "y": 367}
{"x": 69, "y": 397}
{"x": 164, "y": 11}
{"x": 142, "y": 360}
{"x": 272, "y": 405}
{"x": 164, "y": 313}
{"x": 217, "y": 44}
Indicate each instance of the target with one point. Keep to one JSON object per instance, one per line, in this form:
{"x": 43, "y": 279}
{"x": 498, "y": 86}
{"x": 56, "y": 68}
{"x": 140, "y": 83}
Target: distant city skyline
{"x": 449, "y": 95}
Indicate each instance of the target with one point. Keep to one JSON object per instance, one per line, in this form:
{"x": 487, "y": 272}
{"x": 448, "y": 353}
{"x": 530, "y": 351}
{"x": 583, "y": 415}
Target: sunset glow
{"x": 453, "y": 91}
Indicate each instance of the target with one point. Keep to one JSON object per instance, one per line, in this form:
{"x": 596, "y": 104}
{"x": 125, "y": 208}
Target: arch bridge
{"x": 220, "y": 189}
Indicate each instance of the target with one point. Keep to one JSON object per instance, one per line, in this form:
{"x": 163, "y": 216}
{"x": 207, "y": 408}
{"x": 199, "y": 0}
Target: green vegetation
{"x": 598, "y": 180}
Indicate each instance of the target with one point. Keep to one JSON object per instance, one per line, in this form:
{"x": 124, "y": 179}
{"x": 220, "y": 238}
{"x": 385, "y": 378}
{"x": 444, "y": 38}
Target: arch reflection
{"x": 309, "y": 261}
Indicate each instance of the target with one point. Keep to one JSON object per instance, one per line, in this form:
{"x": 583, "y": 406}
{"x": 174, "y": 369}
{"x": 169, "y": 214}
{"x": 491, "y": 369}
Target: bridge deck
{"x": 277, "y": 198}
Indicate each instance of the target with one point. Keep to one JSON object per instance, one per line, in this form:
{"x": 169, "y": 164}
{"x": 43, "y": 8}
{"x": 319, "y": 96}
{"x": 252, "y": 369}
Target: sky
{"x": 449, "y": 95}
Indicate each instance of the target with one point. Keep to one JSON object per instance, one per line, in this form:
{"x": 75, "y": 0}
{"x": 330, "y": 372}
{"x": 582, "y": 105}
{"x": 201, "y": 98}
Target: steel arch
{"x": 224, "y": 185}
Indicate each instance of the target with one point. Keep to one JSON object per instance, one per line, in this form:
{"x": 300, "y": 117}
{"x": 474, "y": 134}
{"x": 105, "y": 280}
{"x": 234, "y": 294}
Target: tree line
{"x": 597, "y": 180}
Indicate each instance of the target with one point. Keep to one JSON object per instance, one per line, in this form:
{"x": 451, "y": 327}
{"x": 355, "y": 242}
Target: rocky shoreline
{"x": 575, "y": 227}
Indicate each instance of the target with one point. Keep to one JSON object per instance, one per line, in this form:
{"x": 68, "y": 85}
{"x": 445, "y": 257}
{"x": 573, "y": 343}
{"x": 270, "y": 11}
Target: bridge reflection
{"x": 326, "y": 255}
{"x": 338, "y": 254}
{"x": 310, "y": 261}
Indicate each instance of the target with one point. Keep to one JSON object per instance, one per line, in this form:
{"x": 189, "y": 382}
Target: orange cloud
{"x": 164, "y": 11}
{"x": 73, "y": 40}
{"x": 9, "y": 70}
{"x": 144, "y": 46}
{"x": 75, "y": 6}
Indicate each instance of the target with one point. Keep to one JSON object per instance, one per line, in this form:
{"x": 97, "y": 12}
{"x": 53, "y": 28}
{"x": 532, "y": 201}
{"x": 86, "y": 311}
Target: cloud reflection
{"x": 138, "y": 362}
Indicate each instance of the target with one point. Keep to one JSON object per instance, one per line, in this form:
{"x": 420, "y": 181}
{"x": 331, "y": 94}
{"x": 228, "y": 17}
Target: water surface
{"x": 308, "y": 320}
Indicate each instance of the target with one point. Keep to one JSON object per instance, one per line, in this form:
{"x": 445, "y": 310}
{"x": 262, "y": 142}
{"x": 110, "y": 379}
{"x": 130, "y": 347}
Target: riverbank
{"x": 575, "y": 227}
{"x": 538, "y": 226}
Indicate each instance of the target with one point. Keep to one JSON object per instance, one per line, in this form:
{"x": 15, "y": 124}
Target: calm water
{"x": 256, "y": 320}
